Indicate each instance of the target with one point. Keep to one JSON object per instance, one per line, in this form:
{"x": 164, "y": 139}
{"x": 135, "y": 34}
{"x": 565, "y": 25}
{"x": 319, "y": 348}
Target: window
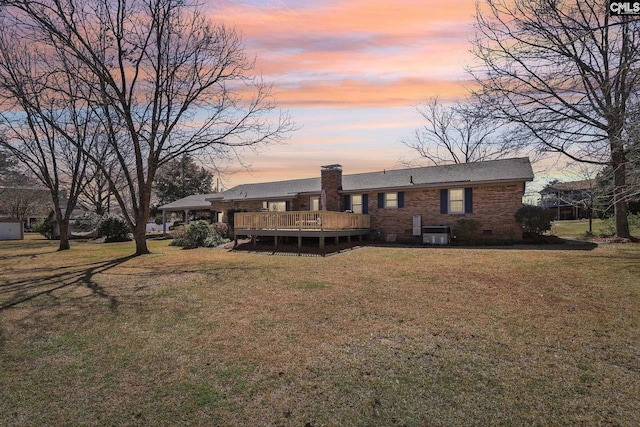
{"x": 275, "y": 206}
{"x": 356, "y": 203}
{"x": 390, "y": 200}
{"x": 456, "y": 201}
{"x": 314, "y": 204}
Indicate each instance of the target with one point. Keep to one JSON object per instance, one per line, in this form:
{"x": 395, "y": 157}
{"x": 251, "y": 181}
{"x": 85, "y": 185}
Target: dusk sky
{"x": 350, "y": 72}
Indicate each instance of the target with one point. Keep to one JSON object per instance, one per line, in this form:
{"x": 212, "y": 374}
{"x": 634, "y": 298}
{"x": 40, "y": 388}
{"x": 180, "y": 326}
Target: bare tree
{"x": 459, "y": 133}
{"x": 32, "y": 98}
{"x": 566, "y": 72}
{"x": 23, "y": 200}
{"x": 168, "y": 82}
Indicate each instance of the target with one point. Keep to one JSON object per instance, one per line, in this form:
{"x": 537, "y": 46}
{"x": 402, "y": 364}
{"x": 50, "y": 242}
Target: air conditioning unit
{"x": 436, "y": 235}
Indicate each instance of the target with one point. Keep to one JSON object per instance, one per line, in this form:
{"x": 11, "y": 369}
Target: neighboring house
{"x": 568, "y": 200}
{"x": 80, "y": 223}
{"x": 392, "y": 205}
{"x": 191, "y": 206}
{"x": 25, "y": 203}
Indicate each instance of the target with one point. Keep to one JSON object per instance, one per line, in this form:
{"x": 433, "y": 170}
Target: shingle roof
{"x": 270, "y": 190}
{"x": 506, "y": 170}
{"x": 585, "y": 184}
{"x": 194, "y": 202}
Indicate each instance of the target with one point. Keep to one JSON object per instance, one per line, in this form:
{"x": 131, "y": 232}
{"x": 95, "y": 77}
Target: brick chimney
{"x": 331, "y": 183}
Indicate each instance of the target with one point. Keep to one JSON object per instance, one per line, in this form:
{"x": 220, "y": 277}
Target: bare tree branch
{"x": 566, "y": 73}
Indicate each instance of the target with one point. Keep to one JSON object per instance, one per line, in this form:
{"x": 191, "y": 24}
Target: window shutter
{"x": 365, "y": 203}
{"x": 444, "y": 201}
{"x": 287, "y": 205}
{"x": 347, "y": 202}
{"x": 380, "y": 200}
{"x": 468, "y": 200}
{"x": 400, "y": 199}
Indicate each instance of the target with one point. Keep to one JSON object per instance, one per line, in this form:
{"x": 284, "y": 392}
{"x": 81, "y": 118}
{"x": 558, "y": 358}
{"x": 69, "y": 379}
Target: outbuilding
{"x": 11, "y": 229}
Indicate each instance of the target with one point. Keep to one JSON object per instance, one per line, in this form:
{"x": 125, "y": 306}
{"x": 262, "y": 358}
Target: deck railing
{"x": 300, "y": 220}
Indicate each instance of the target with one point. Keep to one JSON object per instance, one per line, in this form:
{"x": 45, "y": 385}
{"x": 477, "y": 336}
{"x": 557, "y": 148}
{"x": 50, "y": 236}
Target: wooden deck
{"x": 320, "y": 224}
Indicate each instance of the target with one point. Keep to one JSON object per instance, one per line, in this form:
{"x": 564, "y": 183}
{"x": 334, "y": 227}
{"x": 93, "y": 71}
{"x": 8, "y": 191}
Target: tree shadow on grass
{"x": 20, "y": 291}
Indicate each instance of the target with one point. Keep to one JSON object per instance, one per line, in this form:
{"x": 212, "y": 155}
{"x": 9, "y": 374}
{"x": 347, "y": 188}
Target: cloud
{"x": 350, "y": 92}
{"x": 356, "y": 52}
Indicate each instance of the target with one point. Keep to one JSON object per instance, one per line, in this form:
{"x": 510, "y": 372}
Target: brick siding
{"x": 494, "y": 207}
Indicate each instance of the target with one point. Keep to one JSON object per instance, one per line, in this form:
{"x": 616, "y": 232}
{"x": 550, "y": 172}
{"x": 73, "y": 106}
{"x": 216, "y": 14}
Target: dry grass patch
{"x": 377, "y": 336}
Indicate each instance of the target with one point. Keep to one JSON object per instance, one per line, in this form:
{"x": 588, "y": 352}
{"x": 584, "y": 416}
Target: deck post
{"x": 337, "y": 239}
{"x": 299, "y": 241}
{"x": 321, "y": 244}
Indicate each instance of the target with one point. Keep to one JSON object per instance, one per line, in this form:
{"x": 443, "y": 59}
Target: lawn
{"x": 374, "y": 336}
{"x": 579, "y": 227}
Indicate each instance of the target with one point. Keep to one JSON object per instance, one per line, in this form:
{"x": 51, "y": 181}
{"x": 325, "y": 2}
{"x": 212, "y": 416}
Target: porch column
{"x": 164, "y": 223}
{"x": 186, "y": 216}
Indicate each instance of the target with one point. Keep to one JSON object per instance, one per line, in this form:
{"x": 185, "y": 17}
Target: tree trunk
{"x": 619, "y": 203}
{"x": 140, "y": 236}
{"x": 621, "y": 209}
{"x": 63, "y": 226}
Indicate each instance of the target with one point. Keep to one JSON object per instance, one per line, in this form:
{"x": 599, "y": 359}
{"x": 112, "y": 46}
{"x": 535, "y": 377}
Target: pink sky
{"x": 350, "y": 73}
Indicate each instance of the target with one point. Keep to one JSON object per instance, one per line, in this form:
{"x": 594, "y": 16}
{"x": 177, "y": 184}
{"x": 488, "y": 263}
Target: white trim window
{"x": 275, "y": 206}
{"x": 390, "y": 200}
{"x": 456, "y": 201}
{"x": 314, "y": 203}
{"x": 356, "y": 203}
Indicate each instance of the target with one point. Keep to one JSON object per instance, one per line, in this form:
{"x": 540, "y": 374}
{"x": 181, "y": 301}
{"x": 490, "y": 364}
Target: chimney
{"x": 331, "y": 184}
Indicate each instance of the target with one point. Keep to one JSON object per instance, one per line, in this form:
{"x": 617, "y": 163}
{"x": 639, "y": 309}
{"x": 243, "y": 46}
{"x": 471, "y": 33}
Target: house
{"x": 392, "y": 205}
{"x": 192, "y": 206}
{"x": 568, "y": 200}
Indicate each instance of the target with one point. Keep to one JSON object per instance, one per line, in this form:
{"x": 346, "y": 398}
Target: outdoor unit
{"x": 436, "y": 235}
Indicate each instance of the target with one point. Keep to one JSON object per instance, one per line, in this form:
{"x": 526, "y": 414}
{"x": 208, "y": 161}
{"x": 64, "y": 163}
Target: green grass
{"x": 374, "y": 336}
{"x": 579, "y": 228}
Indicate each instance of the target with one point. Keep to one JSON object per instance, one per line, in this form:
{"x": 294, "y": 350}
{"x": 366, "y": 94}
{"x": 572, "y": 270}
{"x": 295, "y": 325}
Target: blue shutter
{"x": 400, "y": 199}
{"x": 347, "y": 202}
{"x": 287, "y": 205}
{"x": 468, "y": 200}
{"x": 444, "y": 201}
{"x": 365, "y": 203}
{"x": 380, "y": 200}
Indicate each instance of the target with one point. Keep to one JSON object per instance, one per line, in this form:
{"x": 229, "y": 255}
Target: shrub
{"x": 221, "y": 228}
{"x": 114, "y": 229}
{"x": 608, "y": 226}
{"x": 44, "y": 227}
{"x": 179, "y": 232}
{"x": 86, "y": 222}
{"x": 466, "y": 229}
{"x": 534, "y": 220}
{"x": 198, "y": 234}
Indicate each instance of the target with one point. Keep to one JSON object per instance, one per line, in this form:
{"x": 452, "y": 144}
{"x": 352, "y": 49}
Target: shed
{"x": 11, "y": 229}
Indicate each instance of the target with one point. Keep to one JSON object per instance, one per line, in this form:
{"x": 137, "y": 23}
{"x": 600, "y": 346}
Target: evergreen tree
{"x": 181, "y": 178}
